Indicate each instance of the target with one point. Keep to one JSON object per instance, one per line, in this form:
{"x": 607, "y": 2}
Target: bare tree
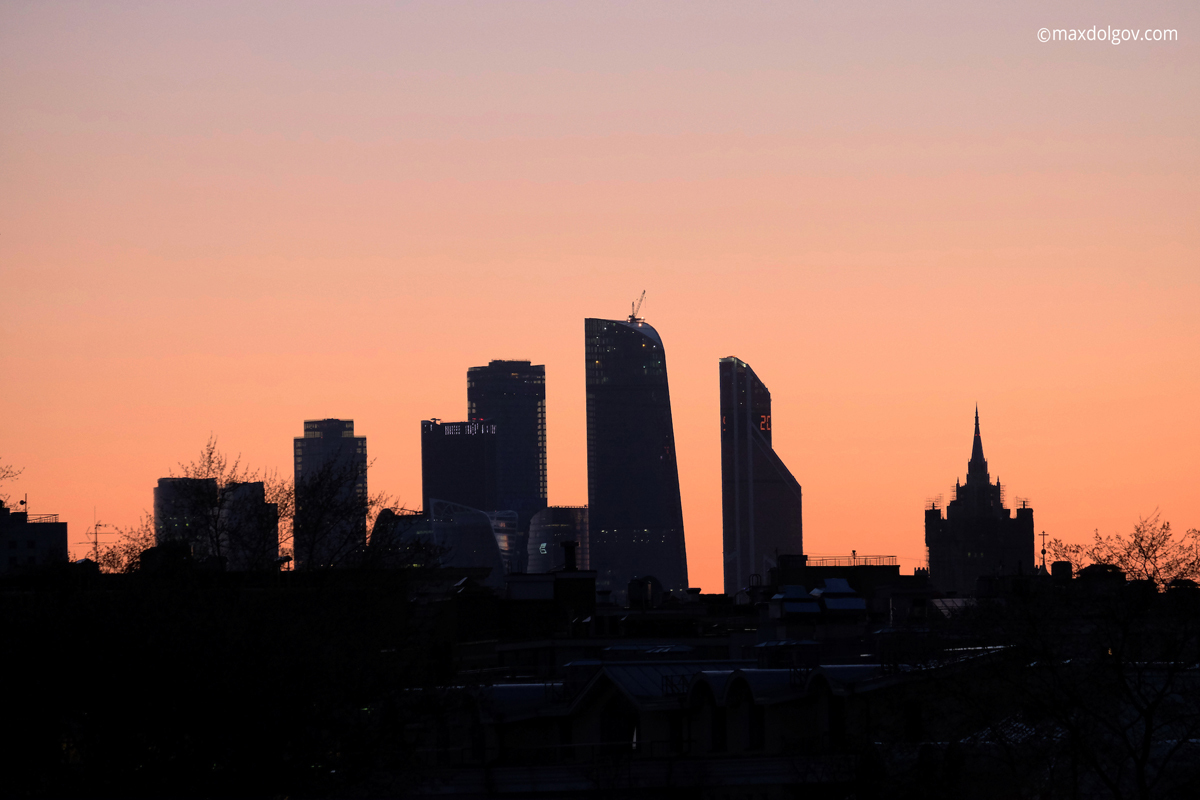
{"x": 232, "y": 513}
{"x": 8, "y": 473}
{"x": 126, "y": 553}
{"x": 1151, "y": 552}
{"x": 333, "y": 510}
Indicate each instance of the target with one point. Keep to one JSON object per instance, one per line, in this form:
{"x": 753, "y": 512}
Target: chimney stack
{"x": 569, "y": 556}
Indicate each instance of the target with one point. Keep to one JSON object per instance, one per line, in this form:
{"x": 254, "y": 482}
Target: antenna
{"x": 94, "y": 533}
{"x": 636, "y": 307}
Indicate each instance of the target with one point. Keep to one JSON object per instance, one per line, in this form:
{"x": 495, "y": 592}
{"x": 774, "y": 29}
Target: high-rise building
{"x": 512, "y": 394}
{"x": 330, "y": 527}
{"x": 551, "y": 527}
{"x": 760, "y": 500}
{"x": 635, "y": 518}
{"x": 978, "y": 536}
{"x": 459, "y": 463}
{"x": 233, "y": 523}
{"x": 184, "y": 511}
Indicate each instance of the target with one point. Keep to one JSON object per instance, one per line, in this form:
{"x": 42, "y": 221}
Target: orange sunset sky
{"x": 231, "y": 217}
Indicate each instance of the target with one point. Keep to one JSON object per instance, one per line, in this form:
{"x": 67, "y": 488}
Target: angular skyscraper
{"x": 512, "y": 394}
{"x": 635, "y": 518}
{"x": 330, "y": 527}
{"x": 978, "y": 536}
{"x": 760, "y": 500}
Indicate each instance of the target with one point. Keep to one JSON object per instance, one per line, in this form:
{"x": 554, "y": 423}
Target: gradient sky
{"x": 232, "y": 217}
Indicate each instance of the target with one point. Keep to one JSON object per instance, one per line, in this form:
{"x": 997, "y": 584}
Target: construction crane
{"x": 637, "y": 306}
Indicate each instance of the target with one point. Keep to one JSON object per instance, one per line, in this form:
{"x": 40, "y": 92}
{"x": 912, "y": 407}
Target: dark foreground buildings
{"x": 512, "y": 394}
{"x": 978, "y": 536}
{"x": 549, "y": 529}
{"x": 28, "y": 542}
{"x": 331, "y": 494}
{"x": 760, "y": 500}
{"x": 635, "y": 518}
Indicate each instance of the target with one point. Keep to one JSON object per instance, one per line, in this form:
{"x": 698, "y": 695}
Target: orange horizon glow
{"x": 227, "y": 218}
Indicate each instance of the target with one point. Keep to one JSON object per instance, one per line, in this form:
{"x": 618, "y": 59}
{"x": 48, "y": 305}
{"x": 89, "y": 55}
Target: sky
{"x": 226, "y": 218}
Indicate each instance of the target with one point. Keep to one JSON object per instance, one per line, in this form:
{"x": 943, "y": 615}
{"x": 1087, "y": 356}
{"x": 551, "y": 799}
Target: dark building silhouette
{"x": 978, "y": 536}
{"x": 549, "y": 528}
{"x": 183, "y": 509}
{"x": 30, "y": 541}
{"x": 250, "y": 527}
{"x": 471, "y": 538}
{"x": 635, "y": 518}
{"x": 459, "y": 463}
{"x": 331, "y": 494}
{"x": 512, "y": 394}
{"x": 760, "y": 500}
{"x": 234, "y": 523}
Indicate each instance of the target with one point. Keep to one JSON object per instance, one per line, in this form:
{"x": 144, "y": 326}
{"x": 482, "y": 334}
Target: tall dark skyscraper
{"x": 760, "y": 500}
{"x": 978, "y": 536}
{"x": 635, "y": 518}
{"x": 459, "y": 464}
{"x": 512, "y": 394}
{"x": 331, "y": 494}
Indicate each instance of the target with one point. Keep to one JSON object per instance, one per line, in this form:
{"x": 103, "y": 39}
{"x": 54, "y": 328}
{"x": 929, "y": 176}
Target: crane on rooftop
{"x": 636, "y": 307}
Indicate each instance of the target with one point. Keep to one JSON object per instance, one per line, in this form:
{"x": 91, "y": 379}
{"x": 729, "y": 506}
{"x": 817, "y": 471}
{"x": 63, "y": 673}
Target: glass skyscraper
{"x": 512, "y": 394}
{"x": 635, "y": 518}
{"x": 760, "y": 500}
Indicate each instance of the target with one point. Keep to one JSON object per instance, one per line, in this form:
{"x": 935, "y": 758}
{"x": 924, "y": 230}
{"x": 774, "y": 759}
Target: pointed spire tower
{"x": 977, "y": 471}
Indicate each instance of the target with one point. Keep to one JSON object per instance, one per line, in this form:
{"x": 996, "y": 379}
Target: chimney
{"x": 569, "y": 556}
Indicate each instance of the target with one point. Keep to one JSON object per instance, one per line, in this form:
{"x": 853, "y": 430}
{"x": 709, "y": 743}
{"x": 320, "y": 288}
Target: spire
{"x": 977, "y": 466}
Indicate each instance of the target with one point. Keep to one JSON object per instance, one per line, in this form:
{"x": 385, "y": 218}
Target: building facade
{"x": 760, "y": 499}
{"x": 28, "y": 542}
{"x": 550, "y": 527}
{"x": 184, "y": 511}
{"x": 977, "y": 536}
{"x": 459, "y": 463}
{"x": 330, "y": 527}
{"x": 512, "y": 394}
{"x": 635, "y": 517}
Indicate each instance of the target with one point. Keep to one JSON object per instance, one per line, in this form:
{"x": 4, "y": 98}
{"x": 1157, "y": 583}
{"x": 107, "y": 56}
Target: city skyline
{"x": 214, "y": 228}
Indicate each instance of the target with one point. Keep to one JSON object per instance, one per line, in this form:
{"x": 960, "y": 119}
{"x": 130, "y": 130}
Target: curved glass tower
{"x": 635, "y": 518}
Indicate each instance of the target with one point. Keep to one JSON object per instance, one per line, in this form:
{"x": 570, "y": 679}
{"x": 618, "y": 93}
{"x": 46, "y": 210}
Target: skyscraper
{"x": 635, "y": 518}
{"x": 459, "y": 463}
{"x": 760, "y": 500}
{"x": 512, "y": 394}
{"x": 331, "y": 494}
{"x": 978, "y": 536}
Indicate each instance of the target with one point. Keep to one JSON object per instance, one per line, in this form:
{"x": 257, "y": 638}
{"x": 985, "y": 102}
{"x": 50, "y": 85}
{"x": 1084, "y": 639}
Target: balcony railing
{"x": 852, "y": 561}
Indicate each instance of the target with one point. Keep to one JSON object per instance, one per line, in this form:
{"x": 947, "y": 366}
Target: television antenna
{"x": 94, "y": 533}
